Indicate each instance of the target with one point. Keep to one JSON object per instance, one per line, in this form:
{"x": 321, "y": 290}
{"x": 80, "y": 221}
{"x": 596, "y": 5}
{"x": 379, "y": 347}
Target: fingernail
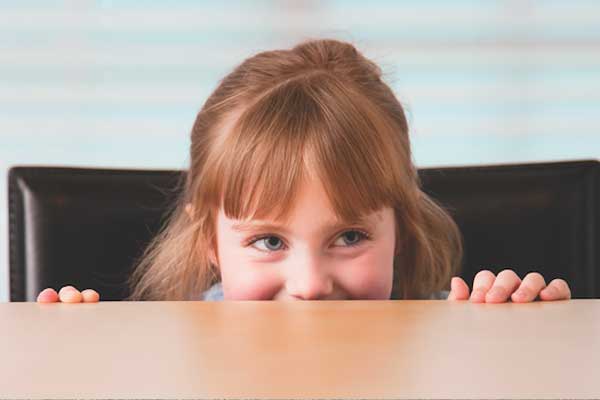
{"x": 520, "y": 293}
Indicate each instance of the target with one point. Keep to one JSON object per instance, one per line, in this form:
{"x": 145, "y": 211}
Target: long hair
{"x": 320, "y": 108}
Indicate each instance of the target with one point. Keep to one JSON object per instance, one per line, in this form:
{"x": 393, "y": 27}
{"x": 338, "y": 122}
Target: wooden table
{"x": 315, "y": 349}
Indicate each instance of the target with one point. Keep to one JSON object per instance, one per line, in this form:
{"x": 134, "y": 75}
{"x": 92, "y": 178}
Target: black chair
{"x": 541, "y": 217}
{"x": 86, "y": 227}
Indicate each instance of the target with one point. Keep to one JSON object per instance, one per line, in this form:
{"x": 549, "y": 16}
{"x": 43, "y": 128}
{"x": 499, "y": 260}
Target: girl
{"x": 302, "y": 186}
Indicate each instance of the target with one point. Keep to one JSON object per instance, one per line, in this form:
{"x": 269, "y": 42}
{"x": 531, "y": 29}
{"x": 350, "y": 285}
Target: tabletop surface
{"x": 310, "y": 349}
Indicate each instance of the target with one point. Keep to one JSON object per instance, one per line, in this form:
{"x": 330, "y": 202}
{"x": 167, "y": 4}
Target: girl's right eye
{"x": 272, "y": 243}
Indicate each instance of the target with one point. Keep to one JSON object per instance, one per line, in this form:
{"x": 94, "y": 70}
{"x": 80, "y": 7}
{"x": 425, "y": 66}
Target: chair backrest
{"x": 86, "y": 227}
{"x": 542, "y": 217}
{"x": 83, "y": 227}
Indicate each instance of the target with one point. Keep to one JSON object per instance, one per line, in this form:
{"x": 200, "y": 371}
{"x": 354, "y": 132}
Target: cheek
{"x": 249, "y": 286}
{"x": 369, "y": 276}
{"x": 243, "y": 279}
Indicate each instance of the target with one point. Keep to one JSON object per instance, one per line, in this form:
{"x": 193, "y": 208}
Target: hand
{"x": 68, "y": 294}
{"x": 487, "y": 288}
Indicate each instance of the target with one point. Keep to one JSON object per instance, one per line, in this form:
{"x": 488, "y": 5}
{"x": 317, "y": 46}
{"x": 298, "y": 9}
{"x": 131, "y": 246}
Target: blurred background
{"x": 118, "y": 84}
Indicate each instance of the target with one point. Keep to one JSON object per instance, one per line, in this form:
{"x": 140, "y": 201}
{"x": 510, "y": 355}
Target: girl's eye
{"x": 273, "y": 243}
{"x": 353, "y": 237}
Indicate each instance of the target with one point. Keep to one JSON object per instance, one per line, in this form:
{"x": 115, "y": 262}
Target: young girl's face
{"x": 309, "y": 258}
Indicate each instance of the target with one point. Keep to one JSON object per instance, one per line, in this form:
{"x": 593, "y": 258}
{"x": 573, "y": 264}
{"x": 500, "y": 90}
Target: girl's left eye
{"x": 274, "y": 243}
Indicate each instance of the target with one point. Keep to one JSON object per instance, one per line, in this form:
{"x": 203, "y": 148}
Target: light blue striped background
{"x": 118, "y": 83}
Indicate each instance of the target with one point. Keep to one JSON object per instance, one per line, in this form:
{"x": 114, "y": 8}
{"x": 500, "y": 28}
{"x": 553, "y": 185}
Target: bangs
{"x": 310, "y": 127}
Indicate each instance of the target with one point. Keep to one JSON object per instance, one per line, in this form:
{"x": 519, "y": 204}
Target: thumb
{"x": 459, "y": 290}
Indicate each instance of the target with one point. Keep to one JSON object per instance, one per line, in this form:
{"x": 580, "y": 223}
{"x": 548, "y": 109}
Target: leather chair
{"x": 86, "y": 227}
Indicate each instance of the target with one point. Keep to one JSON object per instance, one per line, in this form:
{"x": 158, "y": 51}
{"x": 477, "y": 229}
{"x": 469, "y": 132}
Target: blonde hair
{"x": 320, "y": 108}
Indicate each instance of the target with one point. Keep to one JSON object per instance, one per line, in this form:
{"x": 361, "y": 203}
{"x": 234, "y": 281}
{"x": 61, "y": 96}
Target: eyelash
{"x": 363, "y": 236}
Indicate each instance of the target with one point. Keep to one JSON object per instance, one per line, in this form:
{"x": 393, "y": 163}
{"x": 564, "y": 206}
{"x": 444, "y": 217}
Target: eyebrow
{"x": 332, "y": 226}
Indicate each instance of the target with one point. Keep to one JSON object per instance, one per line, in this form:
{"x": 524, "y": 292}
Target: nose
{"x": 309, "y": 280}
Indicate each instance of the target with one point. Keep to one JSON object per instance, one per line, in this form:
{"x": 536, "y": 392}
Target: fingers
{"x": 459, "y": 290}
{"x": 529, "y": 288}
{"x": 505, "y": 284}
{"x": 482, "y": 282}
{"x": 557, "y": 289}
{"x": 68, "y": 294}
{"x": 489, "y": 288}
{"x": 47, "y": 295}
{"x": 90, "y": 296}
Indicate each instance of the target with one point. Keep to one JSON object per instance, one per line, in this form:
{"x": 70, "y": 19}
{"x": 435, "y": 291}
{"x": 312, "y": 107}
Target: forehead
{"x": 311, "y": 207}
{"x": 310, "y": 200}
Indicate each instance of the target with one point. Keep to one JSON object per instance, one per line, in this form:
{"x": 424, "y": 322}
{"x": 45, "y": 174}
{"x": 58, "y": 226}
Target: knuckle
{"x": 536, "y": 277}
{"x": 90, "y": 295}
{"x": 499, "y": 289}
{"x": 560, "y": 284}
{"x": 525, "y": 289}
{"x": 67, "y": 289}
{"x": 69, "y": 297}
{"x": 484, "y": 273}
{"x": 508, "y": 273}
